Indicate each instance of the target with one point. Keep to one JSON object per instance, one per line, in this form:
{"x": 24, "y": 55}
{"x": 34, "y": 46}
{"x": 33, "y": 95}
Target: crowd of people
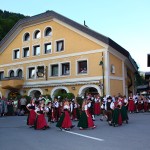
{"x": 112, "y": 109}
{"x": 42, "y": 111}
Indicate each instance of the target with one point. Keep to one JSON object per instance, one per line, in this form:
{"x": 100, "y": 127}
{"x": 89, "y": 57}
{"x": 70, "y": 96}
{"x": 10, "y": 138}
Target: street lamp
{"x": 101, "y": 63}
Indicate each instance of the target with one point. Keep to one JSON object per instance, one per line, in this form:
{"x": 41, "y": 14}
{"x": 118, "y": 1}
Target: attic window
{"x": 16, "y": 54}
{"x": 48, "y": 32}
{"x": 37, "y": 34}
{"x": 26, "y": 37}
{"x": 59, "y": 45}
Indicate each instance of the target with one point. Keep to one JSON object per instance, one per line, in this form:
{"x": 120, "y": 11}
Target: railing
{"x": 12, "y": 78}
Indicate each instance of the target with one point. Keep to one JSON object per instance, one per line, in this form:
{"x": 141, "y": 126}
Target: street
{"x": 16, "y": 135}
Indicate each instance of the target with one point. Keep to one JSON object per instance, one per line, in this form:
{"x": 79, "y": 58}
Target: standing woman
{"x": 131, "y": 106}
{"x": 40, "y": 122}
{"x": 97, "y": 108}
{"x": 32, "y": 115}
{"x": 64, "y": 121}
{"x": 85, "y": 120}
{"x": 49, "y": 112}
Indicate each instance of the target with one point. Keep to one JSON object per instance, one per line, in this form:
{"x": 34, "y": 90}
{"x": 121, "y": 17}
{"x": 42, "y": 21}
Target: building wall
{"x": 116, "y": 87}
{"x": 117, "y": 63}
{"x": 76, "y": 48}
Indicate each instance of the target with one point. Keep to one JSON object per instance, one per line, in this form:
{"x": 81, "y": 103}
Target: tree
{"x": 7, "y": 21}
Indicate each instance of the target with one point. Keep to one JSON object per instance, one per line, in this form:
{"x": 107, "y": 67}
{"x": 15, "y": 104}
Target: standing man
{"x": 23, "y": 102}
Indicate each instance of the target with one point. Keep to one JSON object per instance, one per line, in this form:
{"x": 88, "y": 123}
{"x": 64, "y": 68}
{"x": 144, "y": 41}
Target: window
{"x": 37, "y": 34}
{"x": 65, "y": 69}
{"x": 54, "y": 70}
{"x": 26, "y": 52}
{"x": 16, "y": 54}
{"x": 31, "y": 73}
{"x": 11, "y": 73}
{"x": 48, "y": 32}
{"x": 82, "y": 66}
{"x": 47, "y": 48}
{"x": 36, "y": 50}
{"x": 26, "y": 37}
{"x": 1, "y": 75}
{"x": 19, "y": 74}
{"x": 59, "y": 46}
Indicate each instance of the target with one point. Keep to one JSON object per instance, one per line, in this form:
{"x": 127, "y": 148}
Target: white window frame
{"x": 33, "y": 35}
{"x": 33, "y": 50}
{"x": 45, "y": 31}
{"x": 13, "y": 54}
{"x": 27, "y": 73}
{"x": 3, "y": 73}
{"x": 61, "y": 69}
{"x": 56, "y": 45}
{"x": 44, "y": 48}
{"x": 23, "y": 37}
{"x": 23, "y": 52}
{"x": 50, "y": 70}
{"x": 79, "y": 60}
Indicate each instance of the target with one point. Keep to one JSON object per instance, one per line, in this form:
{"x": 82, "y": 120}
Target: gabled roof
{"x": 92, "y": 33}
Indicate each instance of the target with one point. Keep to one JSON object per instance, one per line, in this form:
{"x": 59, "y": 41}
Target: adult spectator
{"x": 23, "y": 102}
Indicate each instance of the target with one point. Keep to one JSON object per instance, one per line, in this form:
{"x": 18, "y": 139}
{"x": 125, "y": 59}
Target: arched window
{"x": 48, "y": 31}
{"x": 26, "y": 37}
{"x": 37, "y": 34}
{"x": 19, "y": 73}
{"x": 11, "y": 73}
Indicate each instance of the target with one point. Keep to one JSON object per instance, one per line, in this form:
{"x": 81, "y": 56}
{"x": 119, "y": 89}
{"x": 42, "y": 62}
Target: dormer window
{"x": 26, "y": 37}
{"x": 37, "y": 34}
{"x": 48, "y": 32}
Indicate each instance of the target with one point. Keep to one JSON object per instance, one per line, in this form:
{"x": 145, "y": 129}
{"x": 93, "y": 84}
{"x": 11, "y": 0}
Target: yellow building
{"x": 49, "y": 52}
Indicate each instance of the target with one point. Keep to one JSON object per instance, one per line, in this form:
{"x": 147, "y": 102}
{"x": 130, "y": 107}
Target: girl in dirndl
{"x": 40, "y": 122}
{"x": 117, "y": 117}
{"x": 85, "y": 120}
{"x": 64, "y": 121}
{"x": 32, "y": 115}
{"x": 131, "y": 106}
{"x": 97, "y": 108}
{"x": 49, "y": 112}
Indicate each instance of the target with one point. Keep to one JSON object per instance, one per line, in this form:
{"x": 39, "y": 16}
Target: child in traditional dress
{"x": 64, "y": 121}
{"x": 49, "y": 112}
{"x": 85, "y": 120}
{"x": 40, "y": 122}
{"x": 32, "y": 115}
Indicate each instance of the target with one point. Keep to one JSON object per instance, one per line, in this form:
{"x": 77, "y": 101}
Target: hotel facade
{"x": 47, "y": 53}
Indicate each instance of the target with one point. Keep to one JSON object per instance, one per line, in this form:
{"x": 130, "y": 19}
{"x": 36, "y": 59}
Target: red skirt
{"x": 67, "y": 120}
{"x": 40, "y": 122}
{"x": 140, "y": 106}
{"x": 119, "y": 119}
{"x": 31, "y": 118}
{"x": 97, "y": 109}
{"x": 90, "y": 121}
{"x": 145, "y": 106}
{"x": 131, "y": 105}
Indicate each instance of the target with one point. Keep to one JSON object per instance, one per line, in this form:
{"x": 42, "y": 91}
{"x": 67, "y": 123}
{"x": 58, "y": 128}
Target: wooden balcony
{"x": 12, "y": 82}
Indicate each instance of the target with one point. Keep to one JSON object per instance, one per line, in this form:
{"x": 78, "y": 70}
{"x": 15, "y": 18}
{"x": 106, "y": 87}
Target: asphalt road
{"x": 16, "y": 135}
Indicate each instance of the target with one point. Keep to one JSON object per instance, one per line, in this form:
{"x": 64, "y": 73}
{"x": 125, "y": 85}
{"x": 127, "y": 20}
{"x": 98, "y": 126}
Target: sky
{"x": 127, "y": 22}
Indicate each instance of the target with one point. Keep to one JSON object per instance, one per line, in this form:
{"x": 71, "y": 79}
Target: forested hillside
{"x": 7, "y": 21}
